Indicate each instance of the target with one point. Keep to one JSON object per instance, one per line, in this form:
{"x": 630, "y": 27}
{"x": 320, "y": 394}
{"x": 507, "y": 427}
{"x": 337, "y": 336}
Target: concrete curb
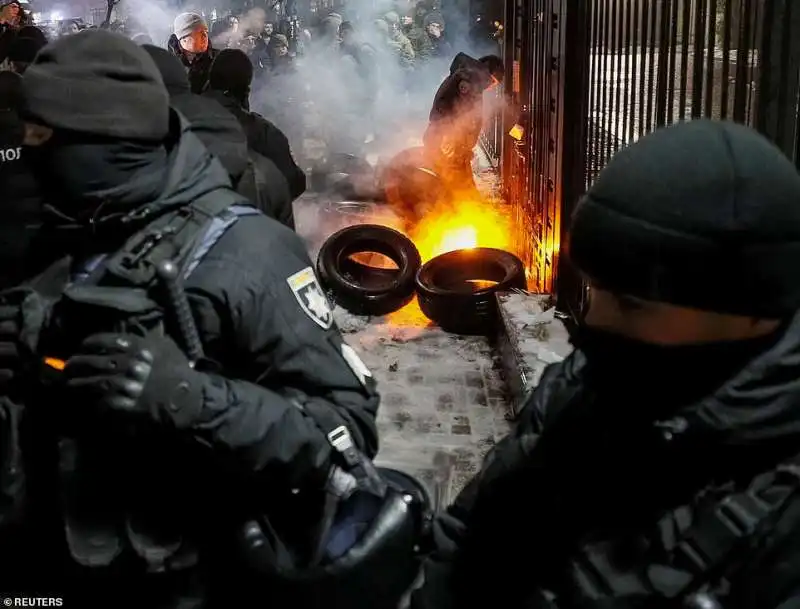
{"x": 530, "y": 338}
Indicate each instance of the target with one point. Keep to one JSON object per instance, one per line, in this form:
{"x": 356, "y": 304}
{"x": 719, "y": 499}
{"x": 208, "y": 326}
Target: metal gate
{"x": 595, "y": 75}
{"x": 536, "y": 54}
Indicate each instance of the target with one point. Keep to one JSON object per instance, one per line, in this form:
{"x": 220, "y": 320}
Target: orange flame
{"x": 465, "y": 225}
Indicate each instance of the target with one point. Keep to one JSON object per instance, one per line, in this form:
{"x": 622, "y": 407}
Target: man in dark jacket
{"x": 657, "y": 466}
{"x": 190, "y": 43}
{"x": 214, "y": 126}
{"x": 229, "y": 84}
{"x": 20, "y": 202}
{"x": 456, "y": 119}
{"x": 149, "y": 461}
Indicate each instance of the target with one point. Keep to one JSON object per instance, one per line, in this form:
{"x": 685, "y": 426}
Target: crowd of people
{"x": 182, "y": 424}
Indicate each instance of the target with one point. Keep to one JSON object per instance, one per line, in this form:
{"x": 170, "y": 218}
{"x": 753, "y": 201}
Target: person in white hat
{"x": 190, "y": 43}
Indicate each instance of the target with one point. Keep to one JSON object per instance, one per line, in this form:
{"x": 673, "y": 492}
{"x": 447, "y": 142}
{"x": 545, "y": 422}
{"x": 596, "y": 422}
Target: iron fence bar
{"x": 753, "y": 57}
{"x": 651, "y": 61}
{"x": 662, "y": 76}
{"x": 779, "y": 76}
{"x": 605, "y": 100}
{"x": 698, "y": 32}
{"x": 635, "y": 55}
{"x": 711, "y": 60}
{"x": 686, "y": 38}
{"x": 742, "y": 59}
{"x": 643, "y": 89}
{"x": 673, "y": 58}
{"x": 577, "y": 69}
{"x": 616, "y": 60}
{"x": 727, "y": 32}
{"x": 627, "y": 86}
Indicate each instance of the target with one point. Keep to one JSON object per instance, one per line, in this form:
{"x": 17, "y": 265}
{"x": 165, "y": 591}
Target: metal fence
{"x": 595, "y": 75}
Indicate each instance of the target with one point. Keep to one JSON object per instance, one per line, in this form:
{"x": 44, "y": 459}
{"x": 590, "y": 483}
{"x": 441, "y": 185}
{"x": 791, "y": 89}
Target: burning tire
{"x": 457, "y": 289}
{"x": 364, "y": 289}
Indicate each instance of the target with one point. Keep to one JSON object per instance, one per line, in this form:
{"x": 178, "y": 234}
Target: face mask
{"x": 78, "y": 175}
{"x": 660, "y": 378}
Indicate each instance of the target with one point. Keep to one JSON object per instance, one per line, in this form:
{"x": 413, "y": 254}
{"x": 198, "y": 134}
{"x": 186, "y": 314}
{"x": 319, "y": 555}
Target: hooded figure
{"x": 681, "y": 397}
{"x": 141, "y": 477}
{"x": 20, "y": 202}
{"x": 456, "y": 118}
{"x": 190, "y": 43}
{"x": 212, "y": 124}
{"x": 428, "y": 38}
{"x": 229, "y": 84}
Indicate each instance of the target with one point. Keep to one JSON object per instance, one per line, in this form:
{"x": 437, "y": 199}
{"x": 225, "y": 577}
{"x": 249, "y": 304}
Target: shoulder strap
{"x": 723, "y": 535}
{"x": 215, "y": 230}
{"x": 171, "y": 236}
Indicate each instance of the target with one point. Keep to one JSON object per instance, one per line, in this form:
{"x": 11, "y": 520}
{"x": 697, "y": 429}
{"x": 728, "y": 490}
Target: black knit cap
{"x": 31, "y": 31}
{"x": 99, "y": 83}
{"x": 232, "y": 70}
{"x": 24, "y": 49}
{"x": 702, "y": 214}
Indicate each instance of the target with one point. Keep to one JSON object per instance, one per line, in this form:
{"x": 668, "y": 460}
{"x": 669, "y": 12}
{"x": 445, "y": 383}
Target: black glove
{"x": 130, "y": 374}
{"x": 22, "y": 315}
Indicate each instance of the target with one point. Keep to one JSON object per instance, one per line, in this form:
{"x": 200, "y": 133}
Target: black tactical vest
{"x": 121, "y": 497}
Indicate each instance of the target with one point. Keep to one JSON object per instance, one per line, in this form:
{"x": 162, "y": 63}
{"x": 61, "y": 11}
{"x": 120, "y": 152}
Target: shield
{"x": 311, "y": 298}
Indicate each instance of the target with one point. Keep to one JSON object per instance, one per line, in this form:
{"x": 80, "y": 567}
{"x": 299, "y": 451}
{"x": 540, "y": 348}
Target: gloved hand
{"x": 22, "y": 315}
{"x": 129, "y": 374}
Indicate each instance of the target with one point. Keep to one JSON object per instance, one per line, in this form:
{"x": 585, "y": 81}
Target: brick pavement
{"x": 444, "y": 400}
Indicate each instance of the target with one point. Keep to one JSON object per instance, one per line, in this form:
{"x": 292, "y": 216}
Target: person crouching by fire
{"x": 456, "y": 120}
{"x": 190, "y": 43}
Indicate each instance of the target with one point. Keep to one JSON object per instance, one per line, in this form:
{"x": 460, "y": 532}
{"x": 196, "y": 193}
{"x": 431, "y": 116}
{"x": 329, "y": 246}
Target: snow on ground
{"x": 533, "y": 338}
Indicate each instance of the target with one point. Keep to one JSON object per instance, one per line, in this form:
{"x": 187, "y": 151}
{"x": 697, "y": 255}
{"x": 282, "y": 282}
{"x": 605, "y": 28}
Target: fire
{"x": 463, "y": 226}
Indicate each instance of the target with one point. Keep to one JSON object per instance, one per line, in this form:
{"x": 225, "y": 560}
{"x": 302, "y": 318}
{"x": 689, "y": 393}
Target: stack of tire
{"x": 456, "y": 290}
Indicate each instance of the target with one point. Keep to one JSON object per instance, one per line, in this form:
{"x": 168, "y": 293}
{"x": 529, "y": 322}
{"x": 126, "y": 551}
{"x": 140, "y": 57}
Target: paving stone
{"x": 426, "y": 378}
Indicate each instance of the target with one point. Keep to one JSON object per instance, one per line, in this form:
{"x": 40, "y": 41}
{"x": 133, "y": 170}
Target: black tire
{"x": 361, "y": 289}
{"x": 447, "y": 296}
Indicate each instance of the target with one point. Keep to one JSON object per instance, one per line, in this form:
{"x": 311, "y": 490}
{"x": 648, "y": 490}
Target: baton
{"x": 169, "y": 274}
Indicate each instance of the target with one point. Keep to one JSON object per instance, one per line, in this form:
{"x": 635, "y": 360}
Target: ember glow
{"x": 463, "y": 226}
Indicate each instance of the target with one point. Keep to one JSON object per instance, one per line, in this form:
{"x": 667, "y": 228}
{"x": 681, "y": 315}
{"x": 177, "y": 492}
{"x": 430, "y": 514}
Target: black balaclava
{"x": 654, "y": 380}
{"x": 108, "y": 152}
{"x": 702, "y": 215}
{"x": 91, "y": 181}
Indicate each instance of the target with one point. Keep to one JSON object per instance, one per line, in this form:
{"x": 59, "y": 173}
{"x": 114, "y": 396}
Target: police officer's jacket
{"x": 576, "y": 509}
{"x": 20, "y": 199}
{"x": 277, "y": 351}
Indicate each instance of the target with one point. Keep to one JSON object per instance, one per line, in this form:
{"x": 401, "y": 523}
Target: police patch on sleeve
{"x": 309, "y": 295}
{"x": 358, "y": 367}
